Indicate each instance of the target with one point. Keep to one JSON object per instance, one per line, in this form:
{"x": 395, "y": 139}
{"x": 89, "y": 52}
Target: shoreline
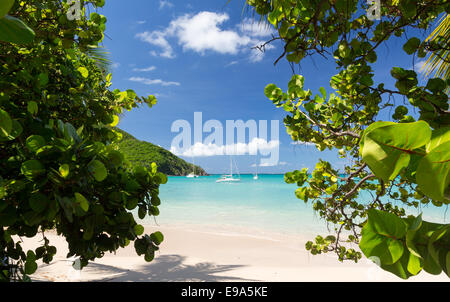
{"x": 204, "y": 255}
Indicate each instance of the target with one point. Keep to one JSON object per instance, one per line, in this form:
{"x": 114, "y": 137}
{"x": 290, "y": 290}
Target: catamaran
{"x": 228, "y": 177}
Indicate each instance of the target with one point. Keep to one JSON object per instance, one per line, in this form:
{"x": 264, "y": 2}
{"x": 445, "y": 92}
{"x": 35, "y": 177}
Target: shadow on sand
{"x": 167, "y": 268}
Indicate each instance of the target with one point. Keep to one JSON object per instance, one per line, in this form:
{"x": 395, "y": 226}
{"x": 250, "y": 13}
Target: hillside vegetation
{"x": 143, "y": 153}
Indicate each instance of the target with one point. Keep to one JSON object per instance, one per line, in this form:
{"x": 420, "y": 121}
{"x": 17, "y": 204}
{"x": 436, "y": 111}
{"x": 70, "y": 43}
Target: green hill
{"x": 144, "y": 153}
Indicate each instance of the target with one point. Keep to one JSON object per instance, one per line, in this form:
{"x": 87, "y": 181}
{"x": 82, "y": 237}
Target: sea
{"x": 259, "y": 207}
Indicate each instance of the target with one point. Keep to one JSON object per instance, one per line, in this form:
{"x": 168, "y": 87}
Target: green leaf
{"x": 154, "y": 168}
{"x": 138, "y": 229}
{"x": 115, "y": 157}
{"x": 149, "y": 256}
{"x": 157, "y": 237}
{"x": 70, "y": 133}
{"x": 13, "y": 30}
{"x": 411, "y": 46}
{"x": 32, "y": 168}
{"x": 161, "y": 178}
{"x": 97, "y": 168}
{"x": 400, "y": 268}
{"x": 435, "y": 237}
{"x": 272, "y": 92}
{"x": 38, "y": 202}
{"x": 323, "y": 92}
{"x": 30, "y": 267}
{"x": 414, "y": 264}
{"x": 433, "y": 173}
{"x": 408, "y": 8}
{"x": 142, "y": 212}
{"x": 43, "y": 79}
{"x": 5, "y": 123}
{"x": 64, "y": 170}
{"x": 32, "y": 107}
{"x": 386, "y": 148}
{"x": 84, "y": 204}
{"x": 380, "y": 236}
{"x": 15, "y": 131}
{"x": 34, "y": 143}
{"x": 5, "y": 6}
{"x": 438, "y": 136}
{"x": 447, "y": 263}
{"x": 84, "y": 72}
{"x": 435, "y": 85}
{"x": 115, "y": 121}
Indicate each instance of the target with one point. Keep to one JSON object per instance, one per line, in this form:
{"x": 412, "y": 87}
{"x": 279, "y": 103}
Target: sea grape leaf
{"x": 5, "y": 123}
{"x": 5, "y": 6}
{"x": 32, "y": 107}
{"x": 411, "y": 45}
{"x": 438, "y": 136}
{"x": 380, "y": 236}
{"x": 97, "y": 168}
{"x": 84, "y": 204}
{"x": 84, "y": 72}
{"x": 14, "y": 30}
{"x": 386, "y": 148}
{"x": 38, "y": 202}
{"x": 433, "y": 173}
{"x": 157, "y": 237}
{"x": 138, "y": 229}
{"x": 32, "y": 168}
{"x": 64, "y": 170}
{"x": 400, "y": 267}
{"x": 34, "y": 143}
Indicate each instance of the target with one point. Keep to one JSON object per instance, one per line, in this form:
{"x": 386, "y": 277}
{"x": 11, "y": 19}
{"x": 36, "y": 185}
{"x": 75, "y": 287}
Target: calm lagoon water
{"x": 249, "y": 206}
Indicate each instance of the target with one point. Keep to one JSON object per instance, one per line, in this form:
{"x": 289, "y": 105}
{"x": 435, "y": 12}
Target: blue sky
{"x": 196, "y": 56}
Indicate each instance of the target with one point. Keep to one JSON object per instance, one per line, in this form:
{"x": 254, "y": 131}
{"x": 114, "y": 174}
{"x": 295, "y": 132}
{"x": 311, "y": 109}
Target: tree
{"x": 404, "y": 162}
{"x": 59, "y": 164}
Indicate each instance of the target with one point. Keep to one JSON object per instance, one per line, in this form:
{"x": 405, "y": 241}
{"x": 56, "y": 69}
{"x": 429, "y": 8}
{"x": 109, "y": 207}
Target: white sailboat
{"x": 192, "y": 174}
{"x": 229, "y": 177}
{"x": 255, "y": 177}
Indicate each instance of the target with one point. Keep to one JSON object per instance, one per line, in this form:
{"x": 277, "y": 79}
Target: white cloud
{"x": 146, "y": 69}
{"x": 141, "y": 22}
{"x": 205, "y": 32}
{"x": 158, "y": 39}
{"x": 115, "y": 65}
{"x": 231, "y": 63}
{"x": 147, "y": 81}
{"x": 419, "y": 66}
{"x": 202, "y": 32}
{"x": 163, "y": 4}
{"x": 205, "y": 150}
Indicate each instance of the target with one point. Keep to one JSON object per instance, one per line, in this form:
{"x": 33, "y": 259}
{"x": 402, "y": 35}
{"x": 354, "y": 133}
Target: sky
{"x": 198, "y": 56}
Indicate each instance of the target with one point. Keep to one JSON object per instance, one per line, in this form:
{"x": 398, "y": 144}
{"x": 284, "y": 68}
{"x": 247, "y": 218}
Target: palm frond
{"x": 438, "y": 62}
{"x": 101, "y": 57}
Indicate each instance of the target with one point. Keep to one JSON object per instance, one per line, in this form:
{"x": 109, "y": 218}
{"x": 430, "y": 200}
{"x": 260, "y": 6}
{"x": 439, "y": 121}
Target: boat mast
{"x": 231, "y": 167}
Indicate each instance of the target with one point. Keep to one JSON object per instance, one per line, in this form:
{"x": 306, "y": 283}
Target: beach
{"x": 204, "y": 255}
{"x": 247, "y": 231}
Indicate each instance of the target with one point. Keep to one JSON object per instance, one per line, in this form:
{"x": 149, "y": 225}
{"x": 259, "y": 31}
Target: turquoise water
{"x": 251, "y": 206}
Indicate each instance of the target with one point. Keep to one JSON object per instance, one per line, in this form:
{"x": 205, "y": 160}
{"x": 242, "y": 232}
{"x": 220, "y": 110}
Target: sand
{"x": 207, "y": 255}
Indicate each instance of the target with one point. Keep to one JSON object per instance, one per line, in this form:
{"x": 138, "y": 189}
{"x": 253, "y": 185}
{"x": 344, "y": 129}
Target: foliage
{"x": 400, "y": 163}
{"x": 143, "y": 153}
{"x": 59, "y": 167}
{"x": 439, "y": 60}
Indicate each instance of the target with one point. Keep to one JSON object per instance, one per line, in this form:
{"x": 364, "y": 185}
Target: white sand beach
{"x": 201, "y": 255}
